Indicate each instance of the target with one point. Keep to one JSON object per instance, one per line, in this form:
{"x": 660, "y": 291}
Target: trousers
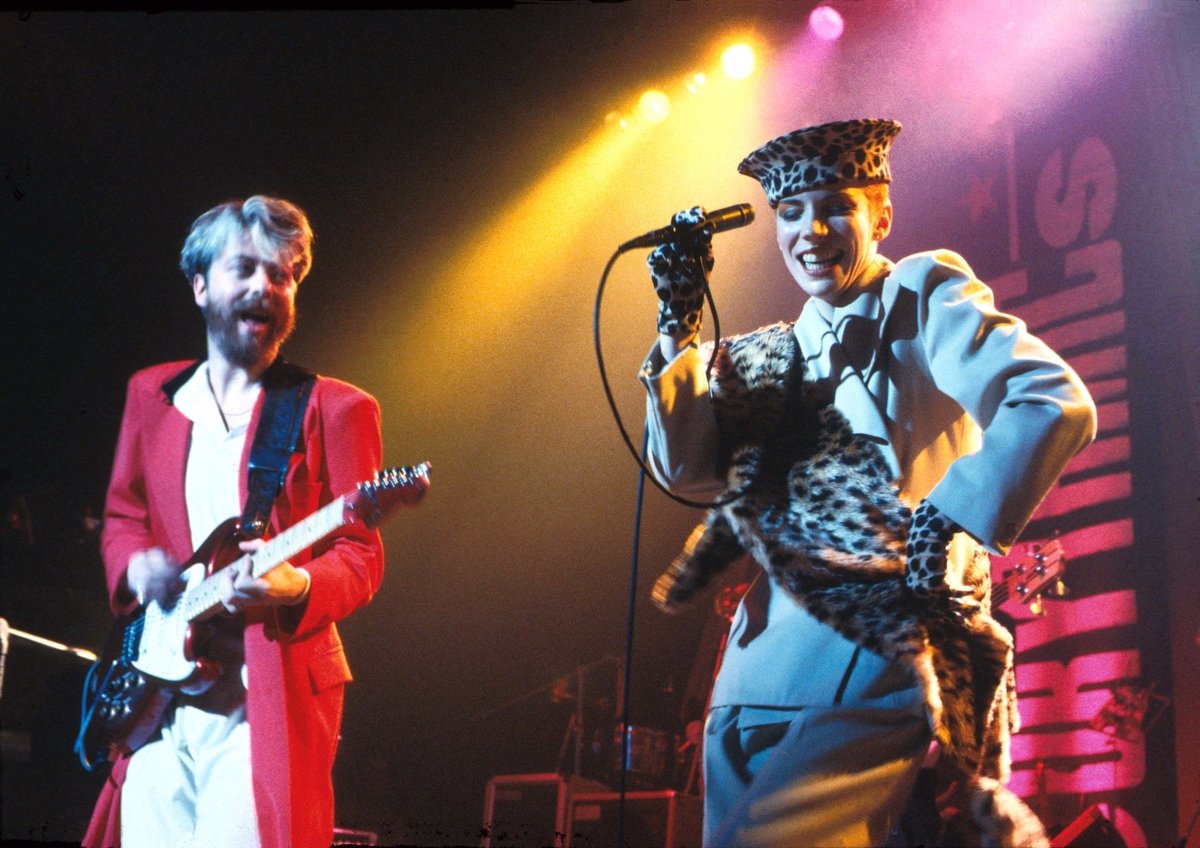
{"x": 813, "y": 777}
{"x": 192, "y": 786}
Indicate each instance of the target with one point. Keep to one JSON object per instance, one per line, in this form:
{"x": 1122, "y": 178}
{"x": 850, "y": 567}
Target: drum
{"x": 647, "y": 758}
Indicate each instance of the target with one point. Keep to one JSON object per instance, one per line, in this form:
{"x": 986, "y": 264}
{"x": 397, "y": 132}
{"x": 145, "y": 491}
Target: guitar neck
{"x": 206, "y": 596}
{"x": 298, "y": 537}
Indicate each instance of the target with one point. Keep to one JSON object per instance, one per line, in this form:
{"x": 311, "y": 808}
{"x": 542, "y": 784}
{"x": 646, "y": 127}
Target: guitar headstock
{"x": 1039, "y": 573}
{"x": 374, "y": 500}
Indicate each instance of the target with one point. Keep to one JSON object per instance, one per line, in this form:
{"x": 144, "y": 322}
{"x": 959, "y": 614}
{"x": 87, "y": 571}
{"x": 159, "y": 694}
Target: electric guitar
{"x": 158, "y": 650}
{"x": 1036, "y": 575}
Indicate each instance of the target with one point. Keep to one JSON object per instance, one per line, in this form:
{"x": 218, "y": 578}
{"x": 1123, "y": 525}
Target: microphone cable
{"x": 643, "y": 473}
{"x": 612, "y": 403}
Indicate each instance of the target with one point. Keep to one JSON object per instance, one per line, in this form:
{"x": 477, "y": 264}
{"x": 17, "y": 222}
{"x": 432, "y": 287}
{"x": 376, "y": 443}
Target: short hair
{"x": 877, "y": 196}
{"x": 276, "y": 226}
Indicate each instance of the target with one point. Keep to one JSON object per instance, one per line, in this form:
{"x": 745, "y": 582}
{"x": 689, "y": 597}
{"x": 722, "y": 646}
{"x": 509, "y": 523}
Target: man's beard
{"x": 248, "y": 351}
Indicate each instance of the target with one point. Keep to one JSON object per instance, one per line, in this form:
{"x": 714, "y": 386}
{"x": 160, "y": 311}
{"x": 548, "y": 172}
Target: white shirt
{"x": 214, "y": 457}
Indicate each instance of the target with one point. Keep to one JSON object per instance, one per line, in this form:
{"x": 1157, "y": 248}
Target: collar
{"x": 855, "y": 329}
{"x": 194, "y": 400}
{"x": 843, "y": 350}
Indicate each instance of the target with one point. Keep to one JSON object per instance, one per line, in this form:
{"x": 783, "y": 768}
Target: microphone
{"x": 729, "y": 218}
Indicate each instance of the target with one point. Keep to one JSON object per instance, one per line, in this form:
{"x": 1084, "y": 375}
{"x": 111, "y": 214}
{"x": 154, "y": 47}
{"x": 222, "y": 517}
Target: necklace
{"x": 220, "y": 411}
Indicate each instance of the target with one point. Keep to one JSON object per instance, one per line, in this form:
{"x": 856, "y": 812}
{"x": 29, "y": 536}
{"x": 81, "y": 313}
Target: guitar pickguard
{"x": 162, "y": 650}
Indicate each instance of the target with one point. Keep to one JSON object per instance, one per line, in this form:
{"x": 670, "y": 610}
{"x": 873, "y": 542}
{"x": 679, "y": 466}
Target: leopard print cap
{"x": 840, "y": 152}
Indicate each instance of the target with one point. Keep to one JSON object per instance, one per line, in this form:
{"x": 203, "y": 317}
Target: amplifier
{"x": 529, "y": 810}
{"x": 660, "y": 819}
{"x": 346, "y": 836}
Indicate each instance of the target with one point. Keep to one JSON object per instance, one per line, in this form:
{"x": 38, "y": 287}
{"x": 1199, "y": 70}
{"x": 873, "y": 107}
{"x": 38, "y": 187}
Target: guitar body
{"x": 122, "y": 707}
{"x": 159, "y": 650}
{"x": 152, "y": 653}
{"x": 172, "y": 645}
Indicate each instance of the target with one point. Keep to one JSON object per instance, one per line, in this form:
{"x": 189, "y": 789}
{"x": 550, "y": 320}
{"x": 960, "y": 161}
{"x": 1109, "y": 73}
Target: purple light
{"x": 826, "y": 23}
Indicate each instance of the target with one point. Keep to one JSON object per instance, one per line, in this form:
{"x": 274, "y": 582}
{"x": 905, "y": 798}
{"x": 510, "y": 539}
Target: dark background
{"x": 444, "y": 158}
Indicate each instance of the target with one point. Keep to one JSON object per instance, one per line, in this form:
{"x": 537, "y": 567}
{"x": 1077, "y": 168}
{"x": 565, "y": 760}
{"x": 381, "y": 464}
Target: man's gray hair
{"x": 277, "y": 227}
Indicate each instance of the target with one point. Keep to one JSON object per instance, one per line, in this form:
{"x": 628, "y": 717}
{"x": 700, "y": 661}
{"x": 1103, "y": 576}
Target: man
{"x": 249, "y": 761}
{"x": 821, "y": 717}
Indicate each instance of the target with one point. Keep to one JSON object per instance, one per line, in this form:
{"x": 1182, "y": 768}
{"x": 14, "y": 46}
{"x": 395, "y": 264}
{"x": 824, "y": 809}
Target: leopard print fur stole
{"x": 817, "y": 508}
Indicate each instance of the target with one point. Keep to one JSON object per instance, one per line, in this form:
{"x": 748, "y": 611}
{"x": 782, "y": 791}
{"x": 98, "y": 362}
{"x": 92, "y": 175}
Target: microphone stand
{"x": 575, "y": 728}
{"x": 6, "y": 631}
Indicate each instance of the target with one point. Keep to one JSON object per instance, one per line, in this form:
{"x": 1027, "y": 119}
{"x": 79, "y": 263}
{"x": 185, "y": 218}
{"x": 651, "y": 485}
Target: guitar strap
{"x": 276, "y": 439}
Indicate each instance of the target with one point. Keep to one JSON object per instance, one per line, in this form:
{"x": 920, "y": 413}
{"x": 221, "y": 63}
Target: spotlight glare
{"x": 654, "y": 106}
{"x": 738, "y": 61}
{"x": 697, "y": 81}
{"x": 826, "y": 23}
{"x": 616, "y": 119}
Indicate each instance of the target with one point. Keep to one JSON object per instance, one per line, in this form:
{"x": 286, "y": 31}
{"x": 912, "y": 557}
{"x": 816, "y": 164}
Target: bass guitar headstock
{"x": 1035, "y": 576}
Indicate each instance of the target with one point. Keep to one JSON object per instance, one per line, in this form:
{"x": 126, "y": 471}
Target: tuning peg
{"x": 1059, "y": 590}
{"x": 1035, "y": 606}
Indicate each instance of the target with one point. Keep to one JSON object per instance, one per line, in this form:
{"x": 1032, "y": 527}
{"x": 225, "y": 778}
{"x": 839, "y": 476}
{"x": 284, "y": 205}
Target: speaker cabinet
{"x": 661, "y": 819}
{"x": 529, "y": 810}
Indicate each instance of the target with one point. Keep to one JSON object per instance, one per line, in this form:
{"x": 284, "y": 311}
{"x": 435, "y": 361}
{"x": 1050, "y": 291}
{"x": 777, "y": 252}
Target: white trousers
{"x": 192, "y": 786}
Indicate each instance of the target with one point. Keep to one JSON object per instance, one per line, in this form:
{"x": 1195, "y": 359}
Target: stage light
{"x": 697, "y": 81}
{"x": 826, "y": 23}
{"x": 738, "y": 61}
{"x": 615, "y": 118}
{"x": 654, "y": 106}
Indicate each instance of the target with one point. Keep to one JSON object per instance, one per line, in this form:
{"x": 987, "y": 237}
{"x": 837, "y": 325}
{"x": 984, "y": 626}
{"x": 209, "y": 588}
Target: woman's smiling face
{"x": 829, "y": 238}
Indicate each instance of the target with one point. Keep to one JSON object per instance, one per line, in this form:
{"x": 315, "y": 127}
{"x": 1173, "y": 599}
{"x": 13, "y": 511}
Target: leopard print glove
{"x": 679, "y": 270}
{"x": 928, "y": 538}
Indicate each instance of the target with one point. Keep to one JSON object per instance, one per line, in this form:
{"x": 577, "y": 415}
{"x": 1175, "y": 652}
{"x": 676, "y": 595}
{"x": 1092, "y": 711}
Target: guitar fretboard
{"x": 206, "y": 597}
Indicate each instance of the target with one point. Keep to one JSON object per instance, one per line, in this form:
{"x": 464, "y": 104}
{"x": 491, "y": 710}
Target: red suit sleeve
{"x": 343, "y": 447}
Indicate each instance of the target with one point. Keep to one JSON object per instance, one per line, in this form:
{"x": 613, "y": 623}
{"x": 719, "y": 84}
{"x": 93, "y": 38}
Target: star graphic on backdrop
{"x": 979, "y": 197}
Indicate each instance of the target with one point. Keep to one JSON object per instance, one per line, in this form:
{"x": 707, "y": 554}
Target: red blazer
{"x": 296, "y": 667}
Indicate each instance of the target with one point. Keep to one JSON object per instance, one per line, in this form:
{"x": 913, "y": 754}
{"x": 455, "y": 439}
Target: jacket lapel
{"x": 172, "y": 434}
